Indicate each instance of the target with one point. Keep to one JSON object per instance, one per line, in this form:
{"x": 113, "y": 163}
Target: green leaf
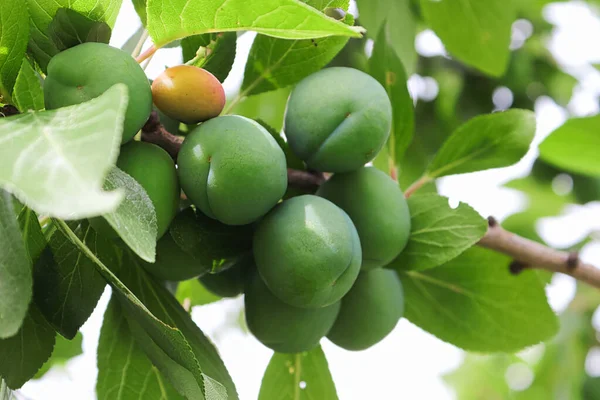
{"x": 70, "y": 28}
{"x": 386, "y": 67}
{"x": 14, "y": 34}
{"x": 300, "y": 376}
{"x": 73, "y": 147}
{"x": 214, "y": 244}
{"x": 473, "y": 302}
{"x": 438, "y": 232}
{"x": 64, "y": 350}
{"x": 277, "y": 63}
{"x": 23, "y": 354}
{"x": 42, "y": 12}
{"x": 140, "y": 9}
{"x": 124, "y": 371}
{"x": 169, "y": 20}
{"x": 35, "y": 242}
{"x": 475, "y": 32}
{"x": 28, "y": 93}
{"x": 192, "y": 292}
{"x": 200, "y": 356}
{"x": 487, "y": 141}
{"x": 400, "y": 33}
{"x": 15, "y": 270}
{"x": 67, "y": 286}
{"x": 573, "y": 146}
{"x": 219, "y": 50}
{"x": 135, "y": 218}
{"x": 170, "y": 341}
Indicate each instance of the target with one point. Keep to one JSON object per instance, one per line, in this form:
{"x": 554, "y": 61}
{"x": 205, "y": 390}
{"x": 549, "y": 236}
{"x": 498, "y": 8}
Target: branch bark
{"x": 526, "y": 253}
{"x": 530, "y": 254}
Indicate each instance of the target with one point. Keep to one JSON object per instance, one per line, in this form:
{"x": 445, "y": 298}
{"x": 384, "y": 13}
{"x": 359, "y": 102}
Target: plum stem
{"x": 146, "y": 54}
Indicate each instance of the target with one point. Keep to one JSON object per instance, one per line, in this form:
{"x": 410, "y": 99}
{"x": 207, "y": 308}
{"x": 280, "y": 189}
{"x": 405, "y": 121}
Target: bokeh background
{"x": 411, "y": 364}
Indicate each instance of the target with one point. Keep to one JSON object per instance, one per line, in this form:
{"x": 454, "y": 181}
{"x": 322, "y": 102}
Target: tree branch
{"x": 526, "y": 253}
{"x": 530, "y": 254}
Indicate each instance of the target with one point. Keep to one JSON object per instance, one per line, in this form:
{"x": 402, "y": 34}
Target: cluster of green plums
{"x": 310, "y": 266}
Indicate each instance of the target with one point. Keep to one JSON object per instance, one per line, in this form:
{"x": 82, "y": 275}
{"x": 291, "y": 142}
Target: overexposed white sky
{"x": 409, "y": 363}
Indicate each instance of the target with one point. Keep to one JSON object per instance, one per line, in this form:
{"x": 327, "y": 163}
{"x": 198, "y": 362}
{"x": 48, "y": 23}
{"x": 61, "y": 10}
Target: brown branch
{"x": 8, "y": 111}
{"x": 530, "y": 254}
{"x": 154, "y": 132}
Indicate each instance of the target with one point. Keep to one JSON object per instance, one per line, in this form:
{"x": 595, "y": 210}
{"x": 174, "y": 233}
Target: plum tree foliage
{"x": 297, "y": 193}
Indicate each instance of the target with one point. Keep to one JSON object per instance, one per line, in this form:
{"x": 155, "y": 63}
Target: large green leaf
{"x": 124, "y": 371}
{"x": 181, "y": 372}
{"x": 71, "y": 148}
{"x": 14, "y": 34}
{"x": 219, "y": 50}
{"x": 135, "y": 218}
{"x": 277, "y": 63}
{"x": 301, "y": 376}
{"x": 475, "y": 32}
{"x": 386, "y": 67}
{"x": 64, "y": 350}
{"x": 574, "y": 146}
{"x": 168, "y": 341}
{"x": 438, "y": 233}
{"x": 70, "y": 28}
{"x": 67, "y": 286}
{"x": 28, "y": 93}
{"x": 169, "y": 20}
{"x": 42, "y": 12}
{"x": 400, "y": 31}
{"x": 23, "y": 354}
{"x": 475, "y": 303}
{"x": 487, "y": 141}
{"x": 15, "y": 270}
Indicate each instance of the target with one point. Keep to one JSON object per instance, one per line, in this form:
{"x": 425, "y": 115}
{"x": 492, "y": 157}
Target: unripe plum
{"x": 188, "y": 94}
{"x": 370, "y": 311}
{"x": 338, "y": 119}
{"x": 154, "y": 170}
{"x": 84, "y": 72}
{"x": 232, "y": 169}
{"x": 173, "y": 264}
{"x": 281, "y": 327}
{"x": 378, "y": 209}
{"x": 307, "y": 251}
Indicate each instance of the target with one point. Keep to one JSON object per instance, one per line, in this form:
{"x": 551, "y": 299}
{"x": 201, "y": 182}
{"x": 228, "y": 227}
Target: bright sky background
{"x": 409, "y": 363}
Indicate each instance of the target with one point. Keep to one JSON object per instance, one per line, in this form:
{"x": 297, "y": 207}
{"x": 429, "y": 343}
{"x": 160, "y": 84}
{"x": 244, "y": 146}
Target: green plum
{"x": 370, "y": 311}
{"x": 338, "y": 119}
{"x": 232, "y": 169}
{"x": 307, "y": 251}
{"x": 378, "y": 209}
{"x": 230, "y": 282}
{"x": 155, "y": 171}
{"x": 84, "y": 72}
{"x": 281, "y": 327}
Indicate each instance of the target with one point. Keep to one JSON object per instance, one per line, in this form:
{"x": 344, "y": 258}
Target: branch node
{"x": 572, "y": 260}
{"x": 516, "y": 267}
{"x": 492, "y": 222}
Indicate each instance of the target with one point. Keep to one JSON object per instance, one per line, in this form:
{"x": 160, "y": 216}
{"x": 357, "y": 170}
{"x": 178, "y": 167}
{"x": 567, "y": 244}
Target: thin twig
{"x": 422, "y": 181}
{"x": 146, "y": 54}
{"x": 530, "y": 254}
